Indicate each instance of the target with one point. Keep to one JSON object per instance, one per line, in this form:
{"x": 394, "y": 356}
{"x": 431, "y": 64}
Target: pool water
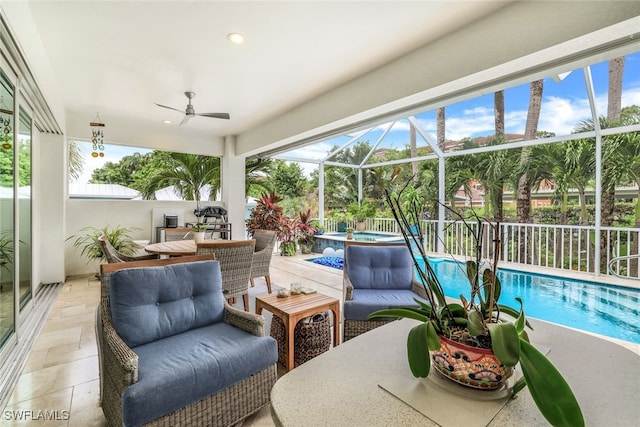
{"x": 364, "y": 236}
{"x": 607, "y": 310}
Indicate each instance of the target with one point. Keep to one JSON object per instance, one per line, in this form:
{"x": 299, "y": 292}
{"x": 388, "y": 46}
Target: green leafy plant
{"x": 362, "y": 211}
{"x": 480, "y": 321}
{"x": 119, "y": 237}
{"x": 6, "y": 249}
{"x": 199, "y": 227}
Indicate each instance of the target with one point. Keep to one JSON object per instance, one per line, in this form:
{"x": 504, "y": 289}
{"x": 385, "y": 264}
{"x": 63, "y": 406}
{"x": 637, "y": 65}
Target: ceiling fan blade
{"x": 170, "y": 108}
{"x": 215, "y": 115}
{"x": 186, "y": 118}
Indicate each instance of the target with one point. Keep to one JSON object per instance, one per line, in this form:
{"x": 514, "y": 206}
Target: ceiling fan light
{"x": 235, "y": 38}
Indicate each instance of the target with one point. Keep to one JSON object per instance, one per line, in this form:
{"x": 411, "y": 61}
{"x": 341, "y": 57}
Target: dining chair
{"x": 235, "y": 257}
{"x": 265, "y": 242}
{"x": 113, "y": 255}
{"x": 178, "y": 233}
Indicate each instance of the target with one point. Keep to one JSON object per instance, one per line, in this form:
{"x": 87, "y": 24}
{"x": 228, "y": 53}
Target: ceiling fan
{"x": 191, "y": 112}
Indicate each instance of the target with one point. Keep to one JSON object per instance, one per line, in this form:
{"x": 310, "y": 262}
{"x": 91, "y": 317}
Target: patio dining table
{"x": 173, "y": 248}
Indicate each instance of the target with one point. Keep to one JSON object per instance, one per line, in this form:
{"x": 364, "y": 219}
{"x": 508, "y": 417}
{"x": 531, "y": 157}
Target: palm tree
{"x": 524, "y": 183}
{"x": 257, "y": 180}
{"x": 76, "y": 161}
{"x": 608, "y": 198}
{"x": 189, "y": 174}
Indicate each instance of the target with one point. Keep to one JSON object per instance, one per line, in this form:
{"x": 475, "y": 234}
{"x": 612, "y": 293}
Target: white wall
{"x": 125, "y": 213}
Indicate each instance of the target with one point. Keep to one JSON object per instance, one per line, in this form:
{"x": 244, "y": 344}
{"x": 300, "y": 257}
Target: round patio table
{"x": 174, "y": 248}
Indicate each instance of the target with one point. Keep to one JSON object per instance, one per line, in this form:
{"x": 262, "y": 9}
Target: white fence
{"x": 566, "y": 247}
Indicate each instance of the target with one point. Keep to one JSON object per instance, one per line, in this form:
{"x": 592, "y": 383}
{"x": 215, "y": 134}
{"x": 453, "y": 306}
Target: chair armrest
{"x": 419, "y": 289}
{"x": 348, "y": 288}
{"x": 127, "y": 258}
{"x": 119, "y": 361}
{"x": 249, "y": 322}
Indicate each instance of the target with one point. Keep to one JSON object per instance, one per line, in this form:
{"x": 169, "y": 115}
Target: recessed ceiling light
{"x": 235, "y": 38}
{"x": 167, "y": 122}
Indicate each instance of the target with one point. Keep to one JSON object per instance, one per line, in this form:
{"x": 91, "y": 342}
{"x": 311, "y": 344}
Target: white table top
{"x": 341, "y": 386}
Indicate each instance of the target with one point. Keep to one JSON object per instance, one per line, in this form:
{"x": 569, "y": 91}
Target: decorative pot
{"x": 361, "y": 226}
{"x": 349, "y": 235}
{"x": 470, "y": 366}
{"x": 198, "y": 236}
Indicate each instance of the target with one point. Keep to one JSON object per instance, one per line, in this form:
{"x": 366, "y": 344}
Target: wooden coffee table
{"x": 296, "y": 307}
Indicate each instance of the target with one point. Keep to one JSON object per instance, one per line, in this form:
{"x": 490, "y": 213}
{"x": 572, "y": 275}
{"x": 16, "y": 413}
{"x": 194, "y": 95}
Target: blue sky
{"x": 564, "y": 104}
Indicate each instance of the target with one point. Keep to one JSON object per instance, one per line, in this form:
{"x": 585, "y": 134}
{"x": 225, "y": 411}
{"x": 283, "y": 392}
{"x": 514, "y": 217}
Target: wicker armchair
{"x": 179, "y": 233}
{"x": 235, "y": 259}
{"x": 113, "y": 255}
{"x": 119, "y": 366}
{"x": 265, "y": 242}
{"x": 395, "y": 260}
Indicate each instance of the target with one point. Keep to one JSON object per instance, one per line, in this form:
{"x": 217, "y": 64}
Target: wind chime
{"x": 5, "y": 124}
{"x": 97, "y": 137}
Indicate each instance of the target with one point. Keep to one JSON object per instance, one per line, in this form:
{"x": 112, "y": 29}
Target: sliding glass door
{"x": 7, "y": 247}
{"x": 24, "y": 208}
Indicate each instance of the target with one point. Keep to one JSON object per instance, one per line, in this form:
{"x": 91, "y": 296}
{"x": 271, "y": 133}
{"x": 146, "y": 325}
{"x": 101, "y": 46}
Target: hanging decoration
{"x": 5, "y": 124}
{"x": 97, "y": 137}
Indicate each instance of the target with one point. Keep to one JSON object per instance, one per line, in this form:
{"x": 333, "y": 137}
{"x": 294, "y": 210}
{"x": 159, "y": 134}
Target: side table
{"x": 296, "y": 307}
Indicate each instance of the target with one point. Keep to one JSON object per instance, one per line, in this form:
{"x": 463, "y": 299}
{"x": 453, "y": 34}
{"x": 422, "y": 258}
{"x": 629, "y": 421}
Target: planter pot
{"x": 342, "y": 227}
{"x": 361, "y": 226}
{"x": 198, "y": 236}
{"x": 470, "y": 366}
{"x": 349, "y": 235}
{"x": 305, "y": 248}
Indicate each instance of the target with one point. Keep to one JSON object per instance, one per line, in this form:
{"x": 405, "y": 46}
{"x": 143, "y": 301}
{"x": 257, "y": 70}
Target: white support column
{"x": 359, "y": 186}
{"x": 49, "y": 207}
{"x": 598, "y": 193}
{"x": 233, "y": 187}
{"x": 321, "y": 192}
{"x": 441, "y": 210}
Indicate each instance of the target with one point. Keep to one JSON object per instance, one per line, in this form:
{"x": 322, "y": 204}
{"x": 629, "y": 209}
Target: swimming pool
{"x": 336, "y": 240}
{"x": 607, "y": 310}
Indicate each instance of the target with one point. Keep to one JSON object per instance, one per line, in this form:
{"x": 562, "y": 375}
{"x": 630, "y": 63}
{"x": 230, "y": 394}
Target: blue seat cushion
{"x": 379, "y": 267}
{"x": 366, "y": 301}
{"x": 182, "y": 369}
{"x": 151, "y": 303}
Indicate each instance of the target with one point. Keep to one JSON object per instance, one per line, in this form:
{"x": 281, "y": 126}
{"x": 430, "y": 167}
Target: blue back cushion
{"x": 151, "y": 303}
{"x": 379, "y": 267}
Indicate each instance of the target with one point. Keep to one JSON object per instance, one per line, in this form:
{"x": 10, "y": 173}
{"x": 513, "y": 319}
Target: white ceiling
{"x": 119, "y": 58}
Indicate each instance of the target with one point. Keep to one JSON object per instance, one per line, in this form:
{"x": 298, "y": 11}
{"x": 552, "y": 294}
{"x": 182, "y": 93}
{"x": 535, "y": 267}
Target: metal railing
{"x": 565, "y": 247}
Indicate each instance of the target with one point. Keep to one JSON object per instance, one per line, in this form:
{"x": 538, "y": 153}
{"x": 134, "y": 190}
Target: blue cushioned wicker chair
{"x": 174, "y": 352}
{"x": 376, "y": 276}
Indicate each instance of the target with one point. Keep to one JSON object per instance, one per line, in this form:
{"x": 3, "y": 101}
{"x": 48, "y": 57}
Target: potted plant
{"x": 361, "y": 212}
{"x": 267, "y": 214}
{"x": 119, "y": 237}
{"x": 349, "y": 231}
{"x": 448, "y": 329}
{"x": 305, "y": 230}
{"x": 199, "y": 229}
